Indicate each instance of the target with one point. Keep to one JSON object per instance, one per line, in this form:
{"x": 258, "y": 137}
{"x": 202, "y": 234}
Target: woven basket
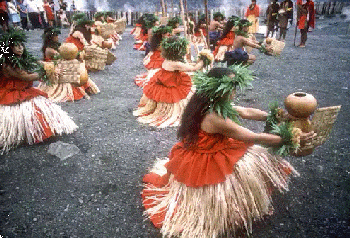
{"x": 120, "y": 25}
{"x": 110, "y": 58}
{"x": 107, "y": 30}
{"x": 322, "y": 123}
{"x": 95, "y": 57}
{"x": 70, "y": 71}
{"x": 277, "y": 47}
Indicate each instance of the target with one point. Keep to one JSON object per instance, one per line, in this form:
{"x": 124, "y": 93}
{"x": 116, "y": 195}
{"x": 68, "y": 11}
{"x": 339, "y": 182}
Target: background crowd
{"x": 39, "y": 13}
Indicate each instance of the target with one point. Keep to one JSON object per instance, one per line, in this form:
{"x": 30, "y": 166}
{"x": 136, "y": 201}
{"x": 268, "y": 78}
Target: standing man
{"x": 302, "y": 14}
{"x": 252, "y": 14}
{"x": 271, "y": 17}
{"x": 23, "y": 14}
{"x": 33, "y": 13}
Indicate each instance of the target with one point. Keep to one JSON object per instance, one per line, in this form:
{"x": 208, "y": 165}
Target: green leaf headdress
{"x": 219, "y": 89}
{"x": 173, "y": 21}
{"x": 99, "y": 14}
{"x": 218, "y": 14}
{"x": 84, "y": 21}
{"x": 51, "y": 31}
{"x": 174, "y": 48}
{"x": 78, "y": 15}
{"x": 11, "y": 38}
{"x": 149, "y": 20}
{"x": 241, "y": 24}
{"x": 161, "y": 30}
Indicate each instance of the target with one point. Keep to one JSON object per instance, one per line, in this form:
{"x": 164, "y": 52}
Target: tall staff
{"x": 207, "y": 21}
{"x": 183, "y": 18}
{"x": 163, "y": 7}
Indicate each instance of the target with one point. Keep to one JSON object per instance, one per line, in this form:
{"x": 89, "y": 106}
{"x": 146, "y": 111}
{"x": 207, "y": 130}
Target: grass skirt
{"x": 223, "y": 208}
{"x": 161, "y": 114}
{"x": 31, "y": 122}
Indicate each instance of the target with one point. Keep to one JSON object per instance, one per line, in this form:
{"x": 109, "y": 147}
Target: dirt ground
{"x": 96, "y": 193}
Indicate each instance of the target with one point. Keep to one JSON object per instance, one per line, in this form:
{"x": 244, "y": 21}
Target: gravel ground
{"x": 96, "y": 193}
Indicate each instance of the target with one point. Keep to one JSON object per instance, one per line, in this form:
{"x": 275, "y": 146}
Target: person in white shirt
{"x": 33, "y": 13}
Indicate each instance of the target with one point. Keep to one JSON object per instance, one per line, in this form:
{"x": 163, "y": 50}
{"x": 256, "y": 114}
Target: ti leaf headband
{"x": 175, "y": 48}
{"x": 13, "y": 37}
{"x": 161, "y": 30}
{"x": 219, "y": 89}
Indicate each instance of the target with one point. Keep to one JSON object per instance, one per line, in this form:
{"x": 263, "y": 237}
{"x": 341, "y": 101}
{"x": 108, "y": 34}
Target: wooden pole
{"x": 166, "y": 9}
{"x": 183, "y": 17}
{"x": 207, "y": 21}
{"x": 163, "y": 7}
{"x": 172, "y": 8}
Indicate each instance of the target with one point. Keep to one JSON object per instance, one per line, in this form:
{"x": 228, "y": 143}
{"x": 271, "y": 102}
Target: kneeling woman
{"x": 26, "y": 115}
{"x": 167, "y": 92}
{"x": 154, "y": 59}
{"x": 216, "y": 180}
{"x": 60, "y": 92}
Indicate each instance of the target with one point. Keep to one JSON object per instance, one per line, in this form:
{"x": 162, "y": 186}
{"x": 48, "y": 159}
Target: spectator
{"x": 4, "y": 19}
{"x": 33, "y": 13}
{"x": 23, "y": 13}
{"x": 42, "y": 16}
{"x": 49, "y": 14}
{"x": 13, "y": 13}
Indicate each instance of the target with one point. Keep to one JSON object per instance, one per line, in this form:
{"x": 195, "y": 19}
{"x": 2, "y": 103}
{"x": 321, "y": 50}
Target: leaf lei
{"x": 285, "y": 131}
{"x": 219, "y": 90}
{"x": 42, "y": 74}
{"x": 175, "y": 48}
{"x": 241, "y": 33}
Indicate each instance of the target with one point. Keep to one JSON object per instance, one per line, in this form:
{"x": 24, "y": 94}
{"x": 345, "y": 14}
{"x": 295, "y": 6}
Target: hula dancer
{"x": 167, "y": 92}
{"x": 174, "y": 23}
{"x": 215, "y": 27}
{"x": 154, "y": 59}
{"x": 225, "y": 42}
{"x": 26, "y": 115}
{"x": 238, "y": 55}
{"x": 60, "y": 92}
{"x": 217, "y": 180}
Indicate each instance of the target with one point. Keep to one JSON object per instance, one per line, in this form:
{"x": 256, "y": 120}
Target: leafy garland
{"x": 219, "y": 90}
{"x": 218, "y": 14}
{"x": 84, "y": 21}
{"x": 206, "y": 60}
{"x": 161, "y": 30}
{"x": 174, "y": 48}
{"x": 173, "y": 21}
{"x": 149, "y": 20}
{"x": 78, "y": 16}
{"x": 26, "y": 61}
{"x": 288, "y": 134}
{"x": 276, "y": 124}
{"x": 241, "y": 33}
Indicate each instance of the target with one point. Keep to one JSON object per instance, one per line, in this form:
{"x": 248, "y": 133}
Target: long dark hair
{"x": 157, "y": 36}
{"x": 86, "y": 32}
{"x": 230, "y": 23}
{"x": 201, "y": 20}
{"x": 196, "y": 110}
{"x": 48, "y": 41}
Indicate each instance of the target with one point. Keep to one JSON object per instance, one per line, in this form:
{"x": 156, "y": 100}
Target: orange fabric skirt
{"x": 209, "y": 162}
{"x": 168, "y": 86}
{"x": 14, "y": 91}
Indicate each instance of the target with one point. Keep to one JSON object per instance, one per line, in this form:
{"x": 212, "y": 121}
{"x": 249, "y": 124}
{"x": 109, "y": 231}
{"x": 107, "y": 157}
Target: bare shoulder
{"x": 213, "y": 123}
